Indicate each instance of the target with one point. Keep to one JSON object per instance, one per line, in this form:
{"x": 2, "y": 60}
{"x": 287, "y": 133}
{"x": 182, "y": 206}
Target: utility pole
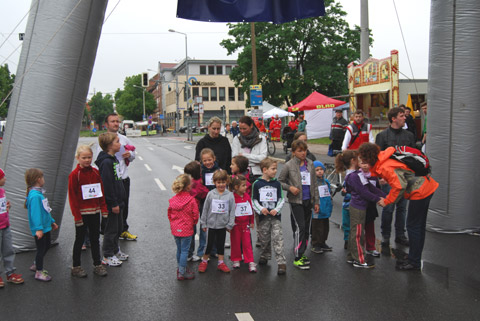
{"x": 364, "y": 34}
{"x": 254, "y": 54}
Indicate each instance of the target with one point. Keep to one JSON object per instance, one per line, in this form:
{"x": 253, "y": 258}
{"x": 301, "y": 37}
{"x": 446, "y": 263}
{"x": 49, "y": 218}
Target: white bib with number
{"x": 363, "y": 179}
{"x": 219, "y": 206}
{"x": 3, "y": 205}
{"x": 91, "y": 191}
{"x": 209, "y": 179}
{"x": 323, "y": 191}
{"x": 268, "y": 194}
{"x": 243, "y": 209}
{"x": 305, "y": 178}
{"x": 46, "y": 206}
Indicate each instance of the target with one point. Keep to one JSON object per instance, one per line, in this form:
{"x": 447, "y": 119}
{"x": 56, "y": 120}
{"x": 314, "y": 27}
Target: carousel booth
{"x": 373, "y": 86}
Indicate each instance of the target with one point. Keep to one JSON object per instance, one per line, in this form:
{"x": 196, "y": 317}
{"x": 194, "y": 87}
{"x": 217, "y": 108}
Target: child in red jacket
{"x": 240, "y": 235}
{"x": 183, "y": 215}
{"x": 87, "y": 202}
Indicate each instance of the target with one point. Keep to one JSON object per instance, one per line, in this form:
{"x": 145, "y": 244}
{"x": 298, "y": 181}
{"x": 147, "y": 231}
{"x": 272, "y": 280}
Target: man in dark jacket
{"x": 393, "y": 136}
{"x": 337, "y": 131}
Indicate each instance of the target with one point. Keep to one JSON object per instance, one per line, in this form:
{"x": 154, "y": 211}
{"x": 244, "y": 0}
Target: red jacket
{"x": 244, "y": 220}
{"x": 275, "y": 124}
{"x": 402, "y": 179}
{"x": 84, "y": 176}
{"x": 182, "y": 214}
{"x": 199, "y": 191}
{"x": 363, "y": 137}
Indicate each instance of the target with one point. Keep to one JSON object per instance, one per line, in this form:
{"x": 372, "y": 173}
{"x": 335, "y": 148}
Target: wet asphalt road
{"x": 145, "y": 287}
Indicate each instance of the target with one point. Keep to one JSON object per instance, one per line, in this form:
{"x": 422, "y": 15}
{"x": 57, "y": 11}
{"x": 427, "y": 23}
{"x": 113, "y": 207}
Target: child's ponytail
{"x": 342, "y": 161}
{"x": 180, "y": 183}
{"x": 32, "y": 175}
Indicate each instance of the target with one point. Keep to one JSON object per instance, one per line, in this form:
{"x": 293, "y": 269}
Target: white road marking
{"x": 244, "y": 316}
{"x": 140, "y": 157}
{"x": 151, "y": 148}
{"x": 146, "y": 139}
{"x": 160, "y": 185}
{"x": 188, "y": 147}
{"x": 178, "y": 168}
{"x": 147, "y": 167}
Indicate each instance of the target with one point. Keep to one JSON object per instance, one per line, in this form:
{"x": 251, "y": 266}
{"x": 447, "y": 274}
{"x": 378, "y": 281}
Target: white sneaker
{"x": 236, "y": 264}
{"x": 227, "y": 245}
{"x": 196, "y": 258}
{"x": 122, "y": 256}
{"x": 252, "y": 267}
{"x": 374, "y": 253}
{"x": 111, "y": 261}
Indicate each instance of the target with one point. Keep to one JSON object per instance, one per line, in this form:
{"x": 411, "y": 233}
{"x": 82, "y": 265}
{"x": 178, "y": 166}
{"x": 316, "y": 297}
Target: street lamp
{"x": 189, "y": 129}
{"x": 143, "y": 91}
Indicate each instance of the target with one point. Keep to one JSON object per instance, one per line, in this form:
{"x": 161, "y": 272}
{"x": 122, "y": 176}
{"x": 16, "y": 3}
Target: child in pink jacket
{"x": 183, "y": 215}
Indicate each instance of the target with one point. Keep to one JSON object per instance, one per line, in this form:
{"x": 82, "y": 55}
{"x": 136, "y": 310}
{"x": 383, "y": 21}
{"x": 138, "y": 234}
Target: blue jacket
{"x": 38, "y": 217}
{"x": 326, "y": 204}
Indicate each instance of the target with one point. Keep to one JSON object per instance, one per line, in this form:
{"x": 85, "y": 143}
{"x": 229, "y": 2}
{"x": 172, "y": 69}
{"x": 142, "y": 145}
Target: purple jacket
{"x": 363, "y": 189}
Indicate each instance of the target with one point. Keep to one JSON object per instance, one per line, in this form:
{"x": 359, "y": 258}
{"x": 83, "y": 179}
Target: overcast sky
{"x": 135, "y": 36}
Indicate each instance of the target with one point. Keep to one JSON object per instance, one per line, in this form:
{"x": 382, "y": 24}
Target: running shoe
{"x": 252, "y": 267}
{"x": 15, "y": 278}
{"x": 374, "y": 253}
{"x": 223, "y": 267}
{"x": 2, "y": 284}
{"x": 282, "y": 269}
{"x": 305, "y": 259}
{"x": 111, "y": 261}
{"x": 202, "y": 267}
{"x": 42, "y": 276}
{"x": 122, "y": 256}
{"x": 325, "y": 247}
{"x": 78, "y": 271}
{"x": 317, "y": 250}
{"x": 366, "y": 265}
{"x": 301, "y": 264}
{"x": 128, "y": 236}
{"x": 100, "y": 270}
{"x": 236, "y": 264}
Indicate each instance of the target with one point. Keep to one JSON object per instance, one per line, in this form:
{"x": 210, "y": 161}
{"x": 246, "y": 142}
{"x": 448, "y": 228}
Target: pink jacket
{"x": 182, "y": 214}
{"x": 244, "y": 220}
{"x": 4, "y": 220}
{"x": 199, "y": 191}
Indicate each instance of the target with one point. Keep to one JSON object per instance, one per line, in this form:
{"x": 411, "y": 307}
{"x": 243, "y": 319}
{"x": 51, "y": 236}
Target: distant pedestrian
{"x": 337, "y": 131}
{"x": 275, "y": 128}
{"x": 7, "y": 253}
{"x": 183, "y": 216}
{"x": 303, "y": 137}
{"x": 302, "y": 123}
{"x": 40, "y": 220}
{"x": 218, "y": 217}
{"x": 358, "y": 132}
{"x": 240, "y": 236}
{"x": 235, "y": 130}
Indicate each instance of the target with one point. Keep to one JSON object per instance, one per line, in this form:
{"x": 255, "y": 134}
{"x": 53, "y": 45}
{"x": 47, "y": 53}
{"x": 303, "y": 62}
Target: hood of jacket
{"x": 181, "y": 201}
{"x": 103, "y": 156}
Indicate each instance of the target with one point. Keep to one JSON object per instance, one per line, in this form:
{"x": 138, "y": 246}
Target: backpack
{"x": 414, "y": 159}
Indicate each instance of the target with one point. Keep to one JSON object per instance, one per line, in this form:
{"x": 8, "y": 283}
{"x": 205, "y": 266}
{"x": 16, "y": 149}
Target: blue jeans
{"x": 346, "y": 223}
{"x": 183, "y": 244}
{"x": 416, "y": 224}
{"x": 387, "y": 215}
{"x": 202, "y": 243}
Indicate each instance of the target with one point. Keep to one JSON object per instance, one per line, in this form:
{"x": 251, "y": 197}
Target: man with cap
{"x": 337, "y": 131}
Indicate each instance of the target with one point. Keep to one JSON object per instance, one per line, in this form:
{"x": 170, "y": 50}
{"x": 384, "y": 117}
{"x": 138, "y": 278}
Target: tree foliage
{"x": 6, "y": 85}
{"x": 129, "y": 101}
{"x": 100, "y": 107}
{"x": 296, "y": 58}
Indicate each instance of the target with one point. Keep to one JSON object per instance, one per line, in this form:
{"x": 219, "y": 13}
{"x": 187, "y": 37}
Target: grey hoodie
{"x": 218, "y": 220}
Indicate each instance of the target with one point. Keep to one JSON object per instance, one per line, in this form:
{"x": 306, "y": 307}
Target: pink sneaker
{"x": 223, "y": 267}
{"x": 42, "y": 276}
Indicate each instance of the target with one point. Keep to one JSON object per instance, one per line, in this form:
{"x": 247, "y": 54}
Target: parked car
{"x": 183, "y": 129}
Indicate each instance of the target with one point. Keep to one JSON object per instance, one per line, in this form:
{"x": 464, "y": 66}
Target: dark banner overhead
{"x": 276, "y": 11}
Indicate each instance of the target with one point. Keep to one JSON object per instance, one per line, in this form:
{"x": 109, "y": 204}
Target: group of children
{"x": 233, "y": 203}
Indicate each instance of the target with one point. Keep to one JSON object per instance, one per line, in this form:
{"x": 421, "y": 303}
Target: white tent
{"x": 266, "y": 106}
{"x": 277, "y": 111}
{"x": 319, "y": 122}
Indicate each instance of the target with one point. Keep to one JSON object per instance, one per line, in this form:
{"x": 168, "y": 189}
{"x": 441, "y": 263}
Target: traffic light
{"x": 144, "y": 79}
{"x": 190, "y": 111}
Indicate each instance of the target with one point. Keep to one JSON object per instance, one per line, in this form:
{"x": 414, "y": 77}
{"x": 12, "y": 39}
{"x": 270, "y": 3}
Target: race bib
{"x": 363, "y": 179}
{"x": 323, "y": 191}
{"x": 209, "y": 179}
{"x": 91, "y": 191}
{"x": 220, "y": 206}
{"x": 117, "y": 170}
{"x": 3, "y": 205}
{"x": 243, "y": 209}
{"x": 46, "y": 206}
{"x": 268, "y": 195}
{"x": 305, "y": 178}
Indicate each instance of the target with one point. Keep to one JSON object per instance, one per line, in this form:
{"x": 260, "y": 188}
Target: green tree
{"x": 129, "y": 101}
{"x": 6, "y": 84}
{"x": 296, "y": 58}
{"x": 100, "y": 106}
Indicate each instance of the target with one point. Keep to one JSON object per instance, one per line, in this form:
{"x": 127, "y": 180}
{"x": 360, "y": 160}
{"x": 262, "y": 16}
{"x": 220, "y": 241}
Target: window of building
{"x": 195, "y": 91}
{"x": 203, "y": 70}
{"x": 211, "y": 70}
{"x": 228, "y": 70}
{"x": 231, "y": 93}
{"x": 220, "y": 70}
{"x": 213, "y": 94}
{"x": 240, "y": 94}
{"x": 221, "y": 94}
{"x": 205, "y": 94}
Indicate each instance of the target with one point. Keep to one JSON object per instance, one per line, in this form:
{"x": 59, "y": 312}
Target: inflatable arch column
{"x": 453, "y": 115}
{"x": 47, "y": 103}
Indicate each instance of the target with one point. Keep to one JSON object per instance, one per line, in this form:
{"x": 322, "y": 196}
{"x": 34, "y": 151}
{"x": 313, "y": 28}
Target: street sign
{"x": 256, "y": 97}
{"x": 161, "y": 116}
{"x": 200, "y": 108}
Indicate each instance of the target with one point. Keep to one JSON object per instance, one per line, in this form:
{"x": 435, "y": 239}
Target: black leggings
{"x": 217, "y": 237}
{"x": 92, "y": 222}
{"x": 43, "y": 245}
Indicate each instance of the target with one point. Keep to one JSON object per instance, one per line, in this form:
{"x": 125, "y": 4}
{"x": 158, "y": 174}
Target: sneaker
{"x": 42, "y": 276}
{"x": 2, "y": 284}
{"x": 350, "y": 261}
{"x": 78, "y": 272}
{"x": 374, "y": 253}
{"x": 196, "y": 258}
{"x": 317, "y": 250}
{"x": 366, "y": 265}
{"x": 111, "y": 261}
{"x": 202, "y": 267}
{"x": 407, "y": 267}
{"x": 345, "y": 245}
{"x": 252, "y": 267}
{"x": 223, "y": 267}
{"x": 301, "y": 264}
{"x": 227, "y": 245}
{"x": 122, "y": 256}
{"x": 33, "y": 267}
{"x": 403, "y": 240}
{"x": 128, "y": 236}
{"x": 188, "y": 275}
{"x": 262, "y": 261}
{"x": 84, "y": 247}
{"x": 305, "y": 259}
{"x": 236, "y": 264}
{"x": 282, "y": 269}
{"x": 325, "y": 247}
{"x": 100, "y": 270}
{"x": 15, "y": 278}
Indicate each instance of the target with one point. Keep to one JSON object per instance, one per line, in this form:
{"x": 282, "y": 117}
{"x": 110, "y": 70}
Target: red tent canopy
{"x": 316, "y": 101}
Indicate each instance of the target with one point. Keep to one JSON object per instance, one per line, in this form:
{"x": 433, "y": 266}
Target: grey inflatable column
{"x": 48, "y": 103}
{"x": 453, "y": 118}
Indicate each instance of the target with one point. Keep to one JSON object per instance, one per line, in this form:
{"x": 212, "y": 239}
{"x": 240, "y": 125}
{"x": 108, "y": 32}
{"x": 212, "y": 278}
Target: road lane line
{"x": 151, "y": 148}
{"x": 148, "y": 167}
{"x": 188, "y": 147}
{"x": 244, "y": 316}
{"x": 160, "y": 185}
{"x": 140, "y": 157}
